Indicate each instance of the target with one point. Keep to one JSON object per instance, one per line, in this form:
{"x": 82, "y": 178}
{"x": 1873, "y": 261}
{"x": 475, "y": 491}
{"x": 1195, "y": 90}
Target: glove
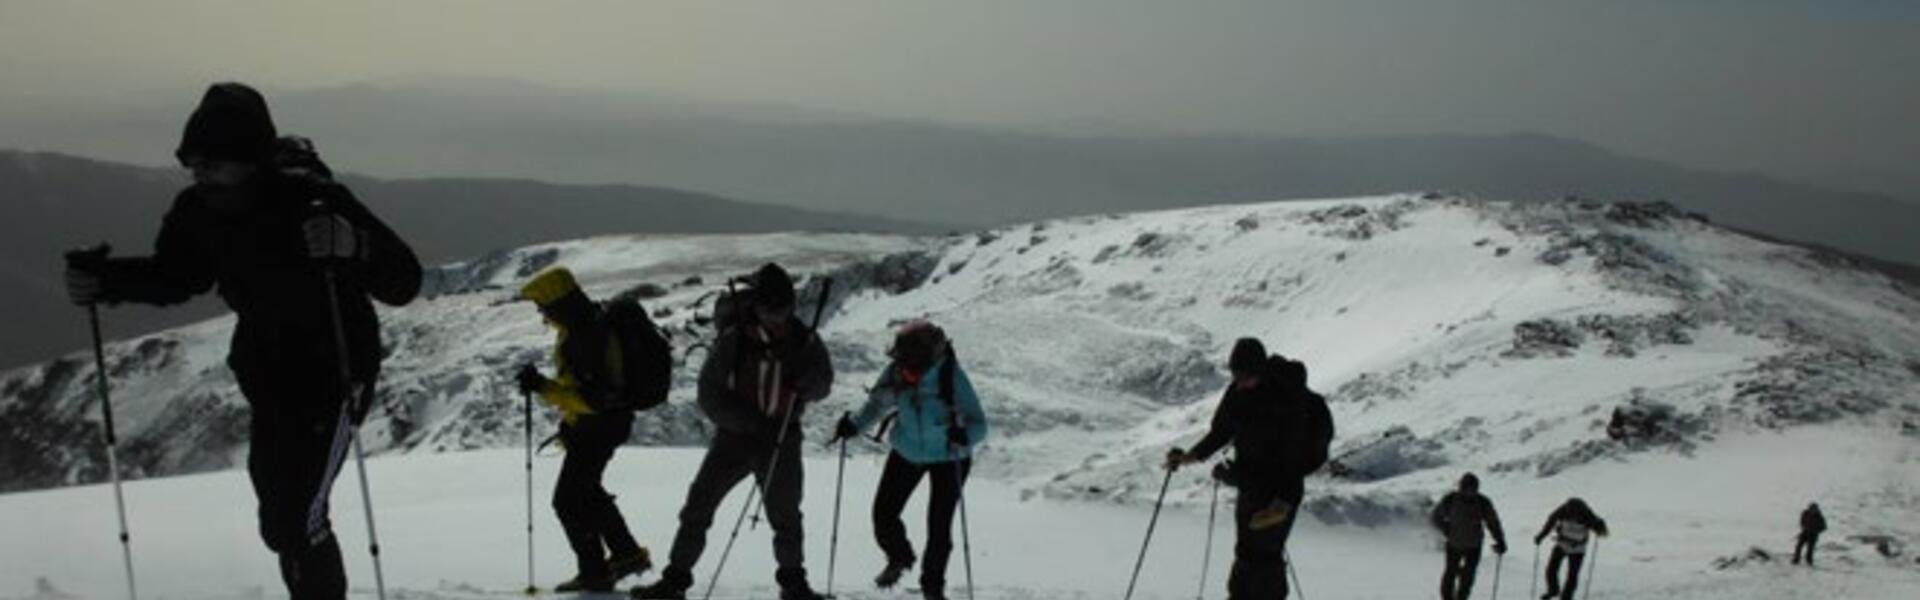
{"x": 530, "y": 380}
{"x": 845, "y": 429}
{"x": 957, "y": 436}
{"x": 1225, "y": 474}
{"x": 84, "y": 281}
{"x": 1499, "y": 547}
{"x": 1279, "y": 512}
{"x": 1538, "y": 538}
{"x": 1178, "y": 457}
{"x": 330, "y": 236}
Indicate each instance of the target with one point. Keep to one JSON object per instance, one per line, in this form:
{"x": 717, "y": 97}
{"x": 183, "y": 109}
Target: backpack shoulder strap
{"x": 946, "y": 378}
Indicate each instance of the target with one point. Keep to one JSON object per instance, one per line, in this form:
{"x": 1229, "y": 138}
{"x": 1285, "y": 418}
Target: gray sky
{"x": 1822, "y": 91}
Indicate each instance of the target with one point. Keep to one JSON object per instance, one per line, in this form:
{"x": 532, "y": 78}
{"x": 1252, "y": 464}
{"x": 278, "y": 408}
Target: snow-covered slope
{"x": 1742, "y": 378}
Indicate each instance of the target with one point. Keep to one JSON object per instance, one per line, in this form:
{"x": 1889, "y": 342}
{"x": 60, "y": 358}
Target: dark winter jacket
{"x": 1464, "y": 517}
{"x": 1812, "y": 522}
{"x": 744, "y": 375}
{"x": 1572, "y": 524}
{"x": 1278, "y": 429}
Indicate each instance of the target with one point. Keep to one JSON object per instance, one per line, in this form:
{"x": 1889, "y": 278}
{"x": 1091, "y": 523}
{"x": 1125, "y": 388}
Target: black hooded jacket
{"x": 255, "y": 254}
{"x": 1280, "y": 428}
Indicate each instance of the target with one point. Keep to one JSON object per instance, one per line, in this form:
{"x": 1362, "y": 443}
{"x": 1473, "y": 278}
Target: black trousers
{"x": 1456, "y": 583}
{"x": 1806, "y": 543}
{"x": 299, "y": 440}
{"x": 587, "y": 513}
{"x": 730, "y": 459}
{"x": 1554, "y": 585}
{"x": 897, "y": 483}
{"x": 1259, "y": 557}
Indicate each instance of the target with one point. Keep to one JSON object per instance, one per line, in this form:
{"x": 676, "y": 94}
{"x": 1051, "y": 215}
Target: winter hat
{"x": 232, "y": 123}
{"x": 772, "y": 287}
{"x": 550, "y": 286}
{"x": 1248, "y": 355}
{"x": 917, "y": 344}
{"x": 1293, "y": 373}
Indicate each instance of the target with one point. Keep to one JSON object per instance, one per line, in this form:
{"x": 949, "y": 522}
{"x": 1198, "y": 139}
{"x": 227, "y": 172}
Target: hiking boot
{"x": 793, "y": 585}
{"x": 586, "y": 583}
{"x": 890, "y": 576}
{"x": 631, "y": 564}
{"x": 933, "y": 593}
{"x": 672, "y": 585}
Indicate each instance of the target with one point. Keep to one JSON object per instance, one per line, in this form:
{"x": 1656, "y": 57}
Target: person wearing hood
{"x": 263, "y": 223}
{"x": 587, "y": 359}
{"x": 1280, "y": 430}
{"x": 1812, "y": 524}
{"x": 758, "y": 378}
{"x": 1572, "y": 525}
{"x": 1465, "y": 516}
{"x": 936, "y": 421}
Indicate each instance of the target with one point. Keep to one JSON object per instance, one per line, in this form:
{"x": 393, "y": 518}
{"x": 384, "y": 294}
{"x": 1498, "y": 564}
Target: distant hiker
{"x": 1812, "y": 524}
{"x": 1572, "y": 525}
{"x": 760, "y": 374}
{"x": 1465, "y": 517}
{"x": 939, "y": 423}
{"x": 1280, "y": 431}
{"x": 261, "y": 223}
{"x": 597, "y": 393}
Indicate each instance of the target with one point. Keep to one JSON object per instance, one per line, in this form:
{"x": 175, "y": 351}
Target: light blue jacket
{"x": 920, "y": 434}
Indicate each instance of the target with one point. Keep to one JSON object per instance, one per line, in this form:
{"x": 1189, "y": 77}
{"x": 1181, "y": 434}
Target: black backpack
{"x": 646, "y": 357}
{"x": 1311, "y": 448}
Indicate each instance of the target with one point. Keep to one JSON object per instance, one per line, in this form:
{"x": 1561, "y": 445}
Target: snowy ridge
{"x": 1449, "y": 334}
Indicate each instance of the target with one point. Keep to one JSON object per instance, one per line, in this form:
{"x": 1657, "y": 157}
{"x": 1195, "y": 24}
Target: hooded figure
{"x": 1280, "y": 430}
{"x": 1464, "y": 516}
{"x": 759, "y": 376}
{"x": 1812, "y": 524}
{"x": 1572, "y": 525}
{"x": 588, "y": 362}
{"x": 267, "y": 238}
{"x": 937, "y": 421}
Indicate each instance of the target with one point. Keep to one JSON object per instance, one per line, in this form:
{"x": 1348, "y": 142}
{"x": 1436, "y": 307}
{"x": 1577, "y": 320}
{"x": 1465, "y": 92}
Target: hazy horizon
{"x": 1816, "y": 92}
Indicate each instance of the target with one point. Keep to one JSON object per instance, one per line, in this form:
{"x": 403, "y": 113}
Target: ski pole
{"x": 1593, "y": 568}
{"x": 773, "y": 461}
{"x": 1301, "y": 589}
{"x": 346, "y": 389}
{"x": 527, "y": 418}
{"x": 1533, "y": 574}
{"x": 966, "y": 537}
{"x": 1499, "y": 560}
{"x": 1206, "y": 555}
{"x": 833, "y": 547}
{"x": 1155, "y": 520}
{"x": 107, "y": 433}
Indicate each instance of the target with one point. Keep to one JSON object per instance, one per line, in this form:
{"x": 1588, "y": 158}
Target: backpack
{"x": 646, "y": 357}
{"x": 1310, "y": 453}
{"x": 1311, "y": 449}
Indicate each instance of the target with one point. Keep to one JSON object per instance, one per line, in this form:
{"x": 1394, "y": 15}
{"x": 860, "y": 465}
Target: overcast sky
{"x": 1819, "y": 90}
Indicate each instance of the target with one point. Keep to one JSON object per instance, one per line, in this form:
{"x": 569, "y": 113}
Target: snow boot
{"x": 672, "y": 585}
{"x": 586, "y": 583}
{"x": 793, "y": 585}
{"x": 890, "y": 576}
{"x": 632, "y": 564}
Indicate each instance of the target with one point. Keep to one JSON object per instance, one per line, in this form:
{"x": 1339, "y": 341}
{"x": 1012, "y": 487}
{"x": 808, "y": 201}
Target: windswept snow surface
{"x": 452, "y": 527}
{"x": 1697, "y": 386}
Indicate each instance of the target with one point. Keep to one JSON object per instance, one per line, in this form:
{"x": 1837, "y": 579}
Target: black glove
{"x": 1225, "y": 474}
{"x": 957, "y": 436}
{"x": 1500, "y": 547}
{"x": 845, "y": 428}
{"x": 530, "y": 380}
{"x": 1177, "y": 458}
{"x": 1538, "y": 538}
{"x": 84, "y": 274}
